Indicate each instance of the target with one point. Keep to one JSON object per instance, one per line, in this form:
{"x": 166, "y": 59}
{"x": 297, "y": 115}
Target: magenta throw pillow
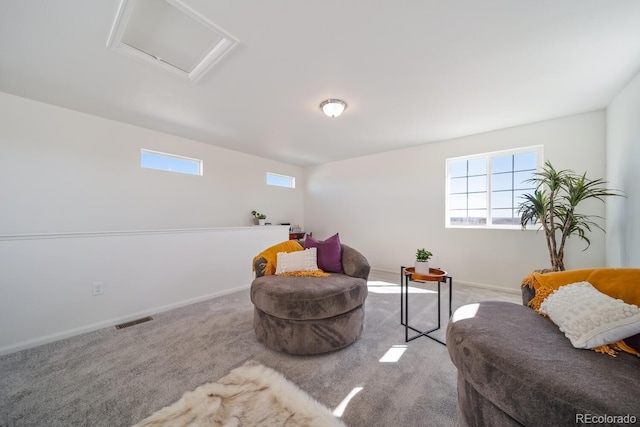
{"x": 633, "y": 342}
{"x": 329, "y": 253}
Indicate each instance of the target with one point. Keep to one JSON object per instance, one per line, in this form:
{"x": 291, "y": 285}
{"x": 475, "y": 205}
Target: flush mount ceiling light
{"x": 169, "y": 34}
{"x": 333, "y": 107}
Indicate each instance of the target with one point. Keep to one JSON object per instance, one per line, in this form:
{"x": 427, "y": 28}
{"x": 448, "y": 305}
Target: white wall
{"x": 389, "y": 204}
{"x": 623, "y": 157}
{"x": 64, "y": 171}
{"x": 46, "y": 280}
{"x": 76, "y": 208}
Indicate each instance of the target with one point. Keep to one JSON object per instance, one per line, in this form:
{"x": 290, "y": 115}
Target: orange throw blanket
{"x": 312, "y": 273}
{"x": 619, "y": 283}
{"x": 271, "y": 255}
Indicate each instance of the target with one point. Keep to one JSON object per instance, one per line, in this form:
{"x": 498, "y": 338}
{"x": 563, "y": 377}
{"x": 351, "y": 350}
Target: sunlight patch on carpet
{"x": 378, "y": 287}
{"x": 343, "y": 405}
{"x": 393, "y": 354}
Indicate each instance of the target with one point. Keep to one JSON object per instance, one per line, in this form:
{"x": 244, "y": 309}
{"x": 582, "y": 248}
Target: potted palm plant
{"x": 422, "y": 262}
{"x": 553, "y": 206}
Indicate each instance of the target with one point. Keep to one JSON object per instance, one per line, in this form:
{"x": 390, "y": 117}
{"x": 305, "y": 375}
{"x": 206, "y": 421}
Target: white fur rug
{"x": 251, "y": 395}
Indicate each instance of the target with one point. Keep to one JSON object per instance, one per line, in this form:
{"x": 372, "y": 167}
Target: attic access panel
{"x": 169, "y": 34}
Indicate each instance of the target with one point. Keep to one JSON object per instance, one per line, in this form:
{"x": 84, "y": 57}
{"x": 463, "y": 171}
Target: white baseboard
{"x": 489, "y": 287}
{"x": 111, "y": 322}
{"x": 394, "y": 277}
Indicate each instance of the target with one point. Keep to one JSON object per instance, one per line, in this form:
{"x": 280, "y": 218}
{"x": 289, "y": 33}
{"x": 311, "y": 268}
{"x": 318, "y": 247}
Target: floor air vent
{"x": 133, "y": 322}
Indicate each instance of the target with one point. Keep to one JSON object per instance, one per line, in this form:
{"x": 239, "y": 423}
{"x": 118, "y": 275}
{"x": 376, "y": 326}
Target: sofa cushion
{"x": 308, "y": 298}
{"x": 329, "y": 253}
{"x": 590, "y": 318}
{"x": 297, "y": 261}
{"x": 522, "y": 364}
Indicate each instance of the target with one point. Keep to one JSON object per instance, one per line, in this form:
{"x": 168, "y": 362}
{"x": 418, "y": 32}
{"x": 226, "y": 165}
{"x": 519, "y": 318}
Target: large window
{"x": 485, "y": 190}
{"x": 170, "y": 162}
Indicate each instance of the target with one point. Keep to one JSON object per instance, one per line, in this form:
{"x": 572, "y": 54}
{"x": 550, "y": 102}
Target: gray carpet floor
{"x": 118, "y": 377}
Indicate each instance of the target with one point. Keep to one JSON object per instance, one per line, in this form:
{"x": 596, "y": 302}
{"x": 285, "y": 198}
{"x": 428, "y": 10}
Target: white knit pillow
{"x": 590, "y": 318}
{"x": 306, "y": 260}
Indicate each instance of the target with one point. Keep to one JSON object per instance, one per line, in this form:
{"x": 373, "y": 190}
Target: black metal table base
{"x": 405, "y": 278}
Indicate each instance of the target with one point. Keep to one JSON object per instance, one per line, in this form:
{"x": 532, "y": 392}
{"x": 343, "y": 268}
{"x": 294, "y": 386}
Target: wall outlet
{"x": 97, "y": 288}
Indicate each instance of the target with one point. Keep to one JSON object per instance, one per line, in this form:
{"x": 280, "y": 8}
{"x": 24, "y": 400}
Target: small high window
{"x": 170, "y": 162}
{"x": 281, "y": 180}
{"x": 486, "y": 190}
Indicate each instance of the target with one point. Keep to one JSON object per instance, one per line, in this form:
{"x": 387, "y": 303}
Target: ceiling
{"x": 411, "y": 72}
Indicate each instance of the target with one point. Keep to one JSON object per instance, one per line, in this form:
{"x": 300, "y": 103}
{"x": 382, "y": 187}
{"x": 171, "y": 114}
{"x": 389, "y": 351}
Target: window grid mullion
{"x": 489, "y": 192}
{"x": 467, "y": 207}
{"x": 513, "y": 184}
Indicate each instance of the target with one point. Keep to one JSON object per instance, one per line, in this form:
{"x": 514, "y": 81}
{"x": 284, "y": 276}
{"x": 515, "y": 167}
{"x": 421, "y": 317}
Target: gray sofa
{"x": 515, "y": 368}
{"x": 311, "y": 315}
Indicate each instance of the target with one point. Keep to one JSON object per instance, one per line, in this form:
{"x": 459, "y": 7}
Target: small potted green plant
{"x": 422, "y": 261}
{"x": 258, "y": 218}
